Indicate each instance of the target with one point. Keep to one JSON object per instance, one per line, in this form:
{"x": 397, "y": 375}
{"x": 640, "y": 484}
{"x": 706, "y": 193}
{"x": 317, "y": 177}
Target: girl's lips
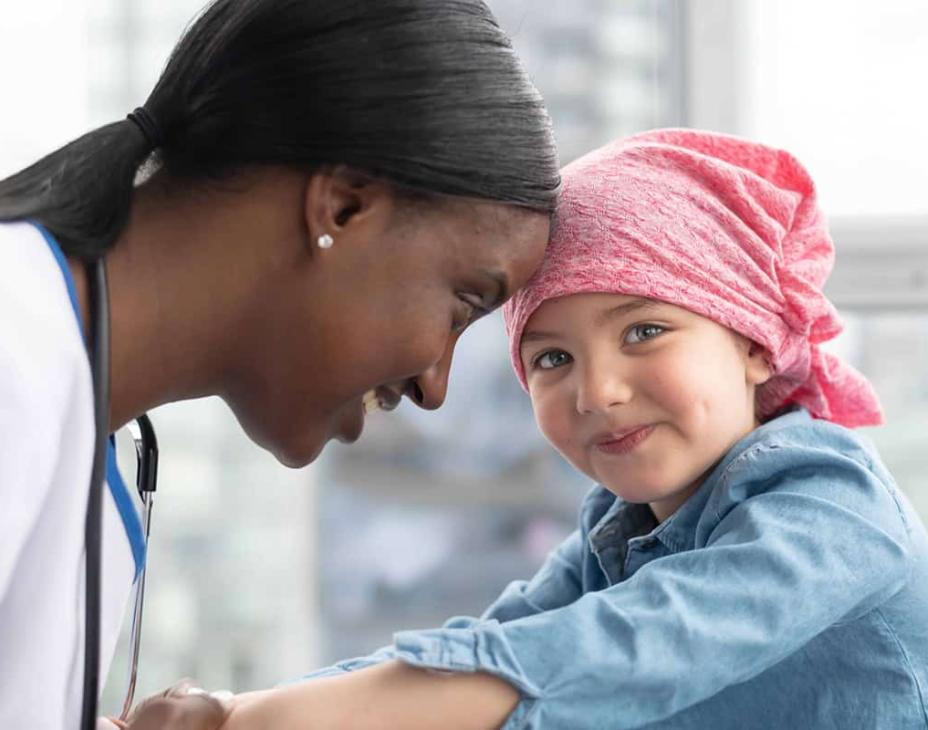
{"x": 625, "y": 443}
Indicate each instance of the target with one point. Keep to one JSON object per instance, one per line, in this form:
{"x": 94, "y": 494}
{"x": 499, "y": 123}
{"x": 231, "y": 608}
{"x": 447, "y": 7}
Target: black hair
{"x": 428, "y": 94}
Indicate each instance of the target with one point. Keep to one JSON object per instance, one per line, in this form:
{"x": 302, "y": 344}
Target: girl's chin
{"x": 637, "y": 492}
{"x": 635, "y": 496}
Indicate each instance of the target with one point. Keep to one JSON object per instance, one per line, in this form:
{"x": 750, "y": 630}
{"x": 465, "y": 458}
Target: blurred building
{"x": 606, "y": 68}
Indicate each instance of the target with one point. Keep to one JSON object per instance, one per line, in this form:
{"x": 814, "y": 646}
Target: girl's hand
{"x": 181, "y": 707}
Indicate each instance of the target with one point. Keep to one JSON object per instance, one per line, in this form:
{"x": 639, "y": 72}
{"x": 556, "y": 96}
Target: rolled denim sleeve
{"x": 383, "y": 654}
{"x": 793, "y": 542}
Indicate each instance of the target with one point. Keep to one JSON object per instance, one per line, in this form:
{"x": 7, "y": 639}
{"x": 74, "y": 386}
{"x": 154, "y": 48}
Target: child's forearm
{"x": 383, "y": 697}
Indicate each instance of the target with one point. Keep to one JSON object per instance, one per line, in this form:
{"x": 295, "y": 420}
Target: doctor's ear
{"x": 758, "y": 370}
{"x": 342, "y": 203}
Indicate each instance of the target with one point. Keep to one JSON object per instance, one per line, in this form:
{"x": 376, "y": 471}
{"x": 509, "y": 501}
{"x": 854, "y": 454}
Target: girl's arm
{"x": 387, "y": 696}
{"x": 804, "y": 539}
{"x": 373, "y": 691}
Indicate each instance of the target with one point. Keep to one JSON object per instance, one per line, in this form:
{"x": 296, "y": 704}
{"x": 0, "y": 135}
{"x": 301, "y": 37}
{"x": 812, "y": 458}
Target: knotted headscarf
{"x": 721, "y": 226}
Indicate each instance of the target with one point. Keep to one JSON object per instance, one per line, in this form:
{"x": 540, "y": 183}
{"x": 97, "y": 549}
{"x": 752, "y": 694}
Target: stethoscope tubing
{"x": 93, "y": 525}
{"x": 146, "y": 448}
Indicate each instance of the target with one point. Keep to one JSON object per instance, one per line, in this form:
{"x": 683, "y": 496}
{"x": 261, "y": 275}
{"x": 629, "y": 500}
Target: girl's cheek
{"x": 552, "y": 414}
{"x": 672, "y": 383}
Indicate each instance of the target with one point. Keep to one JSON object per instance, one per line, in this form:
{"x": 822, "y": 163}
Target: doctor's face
{"x": 380, "y": 316}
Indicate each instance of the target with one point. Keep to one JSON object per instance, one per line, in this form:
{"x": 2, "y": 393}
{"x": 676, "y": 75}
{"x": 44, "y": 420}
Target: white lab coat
{"x": 46, "y": 450}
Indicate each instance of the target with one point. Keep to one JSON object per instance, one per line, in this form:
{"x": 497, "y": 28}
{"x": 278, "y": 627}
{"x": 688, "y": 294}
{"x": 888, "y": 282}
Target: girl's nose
{"x": 602, "y": 386}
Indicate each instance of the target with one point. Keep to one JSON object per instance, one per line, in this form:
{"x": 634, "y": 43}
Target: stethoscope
{"x": 146, "y": 449}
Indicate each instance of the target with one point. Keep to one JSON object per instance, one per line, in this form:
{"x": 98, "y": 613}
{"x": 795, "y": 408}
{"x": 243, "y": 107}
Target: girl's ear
{"x": 757, "y": 367}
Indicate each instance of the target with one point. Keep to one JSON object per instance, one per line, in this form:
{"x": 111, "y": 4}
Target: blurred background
{"x": 259, "y": 573}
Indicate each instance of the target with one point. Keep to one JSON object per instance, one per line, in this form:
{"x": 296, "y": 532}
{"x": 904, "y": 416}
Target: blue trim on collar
{"x": 121, "y": 496}
{"x": 127, "y": 510}
{"x": 65, "y": 272}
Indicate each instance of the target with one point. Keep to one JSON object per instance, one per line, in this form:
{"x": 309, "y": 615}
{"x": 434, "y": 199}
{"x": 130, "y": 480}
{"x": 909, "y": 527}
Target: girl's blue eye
{"x": 642, "y": 333}
{"x": 551, "y": 359}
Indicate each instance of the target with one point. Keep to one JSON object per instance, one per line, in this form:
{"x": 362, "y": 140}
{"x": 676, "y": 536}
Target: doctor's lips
{"x": 380, "y": 399}
{"x": 623, "y": 441}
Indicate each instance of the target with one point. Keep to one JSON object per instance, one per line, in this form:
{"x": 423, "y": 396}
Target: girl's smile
{"x": 642, "y": 396}
{"x": 622, "y": 442}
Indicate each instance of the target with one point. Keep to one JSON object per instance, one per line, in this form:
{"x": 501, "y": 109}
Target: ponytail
{"x": 81, "y": 192}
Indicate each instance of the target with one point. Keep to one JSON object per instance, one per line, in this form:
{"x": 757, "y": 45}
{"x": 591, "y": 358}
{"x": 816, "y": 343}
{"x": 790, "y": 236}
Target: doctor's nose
{"x": 602, "y": 387}
{"x": 429, "y": 389}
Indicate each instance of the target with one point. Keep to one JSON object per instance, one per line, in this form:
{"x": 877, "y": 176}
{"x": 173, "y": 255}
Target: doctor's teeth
{"x": 371, "y": 402}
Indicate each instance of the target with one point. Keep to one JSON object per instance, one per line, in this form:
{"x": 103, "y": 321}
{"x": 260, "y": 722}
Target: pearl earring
{"x": 325, "y": 241}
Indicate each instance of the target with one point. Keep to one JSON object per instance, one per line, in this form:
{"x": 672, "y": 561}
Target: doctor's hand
{"x": 181, "y": 707}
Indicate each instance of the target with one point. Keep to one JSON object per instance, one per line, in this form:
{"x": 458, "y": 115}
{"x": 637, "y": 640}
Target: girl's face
{"x": 642, "y": 396}
{"x": 377, "y": 316}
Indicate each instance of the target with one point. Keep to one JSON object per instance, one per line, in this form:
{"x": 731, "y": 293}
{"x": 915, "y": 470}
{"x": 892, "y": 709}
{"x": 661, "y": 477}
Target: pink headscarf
{"x": 726, "y": 228}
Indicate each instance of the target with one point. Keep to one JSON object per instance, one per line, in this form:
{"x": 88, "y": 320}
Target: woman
{"x": 314, "y": 202}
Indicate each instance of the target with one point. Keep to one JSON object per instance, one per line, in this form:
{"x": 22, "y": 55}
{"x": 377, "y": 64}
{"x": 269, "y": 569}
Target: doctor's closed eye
{"x": 470, "y": 308}
{"x": 473, "y": 306}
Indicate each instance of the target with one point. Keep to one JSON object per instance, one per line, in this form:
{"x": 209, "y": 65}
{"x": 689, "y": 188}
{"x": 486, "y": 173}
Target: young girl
{"x": 747, "y": 561}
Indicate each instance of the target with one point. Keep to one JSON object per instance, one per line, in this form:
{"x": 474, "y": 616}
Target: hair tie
{"x": 148, "y": 126}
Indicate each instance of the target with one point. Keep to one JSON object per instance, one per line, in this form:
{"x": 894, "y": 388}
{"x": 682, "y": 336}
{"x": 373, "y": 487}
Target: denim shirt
{"x": 789, "y": 591}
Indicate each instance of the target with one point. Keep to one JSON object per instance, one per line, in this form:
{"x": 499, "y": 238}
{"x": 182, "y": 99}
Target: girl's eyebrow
{"x": 621, "y": 310}
{"x": 536, "y": 335}
{"x": 602, "y": 318}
